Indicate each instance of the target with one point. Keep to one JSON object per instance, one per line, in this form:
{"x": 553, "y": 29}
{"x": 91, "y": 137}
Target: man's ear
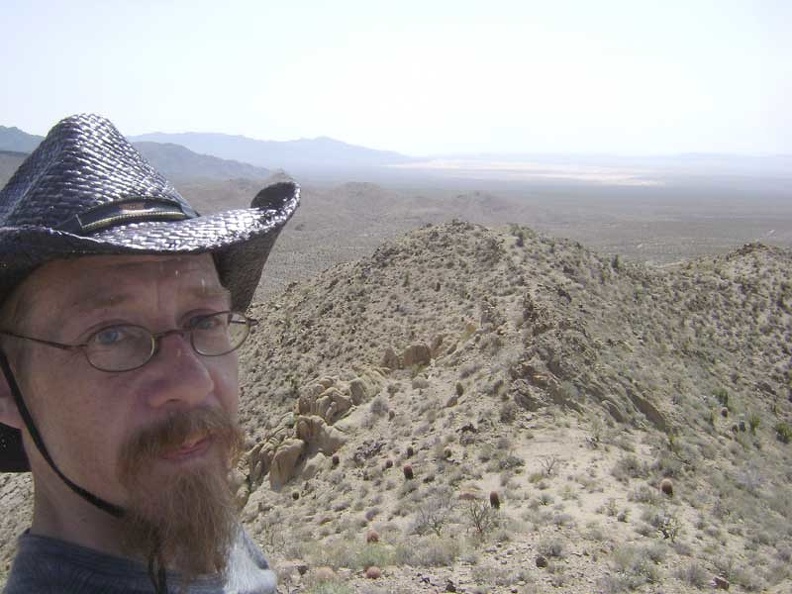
{"x": 9, "y": 413}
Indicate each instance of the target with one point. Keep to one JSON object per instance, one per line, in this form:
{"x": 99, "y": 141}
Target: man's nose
{"x": 180, "y": 377}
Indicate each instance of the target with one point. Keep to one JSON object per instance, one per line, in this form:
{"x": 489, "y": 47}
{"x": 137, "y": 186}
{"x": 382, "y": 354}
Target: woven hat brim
{"x": 25, "y": 248}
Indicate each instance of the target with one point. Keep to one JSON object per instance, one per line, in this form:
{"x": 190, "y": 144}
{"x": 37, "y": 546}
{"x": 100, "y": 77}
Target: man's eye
{"x": 110, "y": 336}
{"x": 208, "y": 322}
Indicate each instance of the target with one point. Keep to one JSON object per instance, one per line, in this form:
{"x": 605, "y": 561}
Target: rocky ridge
{"x": 492, "y": 410}
{"x": 488, "y": 360}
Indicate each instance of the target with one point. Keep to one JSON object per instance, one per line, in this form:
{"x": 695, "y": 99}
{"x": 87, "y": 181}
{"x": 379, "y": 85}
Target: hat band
{"x": 121, "y": 213}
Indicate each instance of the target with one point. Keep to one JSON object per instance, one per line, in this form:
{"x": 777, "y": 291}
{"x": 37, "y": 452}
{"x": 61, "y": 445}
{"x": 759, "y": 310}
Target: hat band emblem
{"x": 121, "y": 213}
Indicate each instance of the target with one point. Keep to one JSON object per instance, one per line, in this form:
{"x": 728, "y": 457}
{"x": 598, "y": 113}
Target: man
{"x": 121, "y": 312}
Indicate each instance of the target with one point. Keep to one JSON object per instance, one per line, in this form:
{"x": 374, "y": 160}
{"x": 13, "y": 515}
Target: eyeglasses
{"x": 126, "y": 346}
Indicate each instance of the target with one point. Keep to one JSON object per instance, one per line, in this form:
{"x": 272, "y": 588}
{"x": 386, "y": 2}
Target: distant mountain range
{"x": 298, "y": 156}
{"x": 15, "y": 140}
{"x": 193, "y": 155}
{"x": 176, "y": 162}
{"x": 173, "y": 161}
{"x": 222, "y": 156}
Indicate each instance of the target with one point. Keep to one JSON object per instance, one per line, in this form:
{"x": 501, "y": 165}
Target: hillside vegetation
{"x": 493, "y": 410}
{"x": 568, "y": 384}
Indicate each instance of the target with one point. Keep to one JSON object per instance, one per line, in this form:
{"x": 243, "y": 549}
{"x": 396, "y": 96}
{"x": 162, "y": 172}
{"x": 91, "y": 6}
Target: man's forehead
{"x": 107, "y": 279}
{"x": 159, "y": 265}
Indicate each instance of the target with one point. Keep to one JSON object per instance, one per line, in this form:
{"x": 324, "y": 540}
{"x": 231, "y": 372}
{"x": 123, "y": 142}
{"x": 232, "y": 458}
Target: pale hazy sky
{"x": 419, "y": 77}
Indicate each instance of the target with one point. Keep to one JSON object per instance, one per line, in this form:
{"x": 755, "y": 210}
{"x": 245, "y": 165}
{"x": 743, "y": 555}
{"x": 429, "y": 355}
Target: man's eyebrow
{"x": 91, "y": 301}
{"x": 211, "y": 292}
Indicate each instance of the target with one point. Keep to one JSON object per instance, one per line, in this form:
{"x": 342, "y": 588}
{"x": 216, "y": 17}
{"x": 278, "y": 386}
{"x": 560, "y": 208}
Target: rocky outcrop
{"x": 284, "y": 462}
{"x": 318, "y": 435}
{"x": 328, "y": 403}
{"x": 301, "y": 440}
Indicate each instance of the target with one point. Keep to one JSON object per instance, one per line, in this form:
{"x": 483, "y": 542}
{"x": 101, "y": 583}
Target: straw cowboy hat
{"x": 87, "y": 191}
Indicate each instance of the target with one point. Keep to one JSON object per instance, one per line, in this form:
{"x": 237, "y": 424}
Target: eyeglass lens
{"x": 126, "y": 347}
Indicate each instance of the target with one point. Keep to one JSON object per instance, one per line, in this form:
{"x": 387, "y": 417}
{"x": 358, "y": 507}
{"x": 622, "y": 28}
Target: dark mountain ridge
{"x": 16, "y": 140}
{"x": 297, "y": 156}
{"x": 174, "y": 161}
{"x": 178, "y": 163}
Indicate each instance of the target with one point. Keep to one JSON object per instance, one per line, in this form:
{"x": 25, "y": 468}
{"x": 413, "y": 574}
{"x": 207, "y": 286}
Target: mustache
{"x": 173, "y": 431}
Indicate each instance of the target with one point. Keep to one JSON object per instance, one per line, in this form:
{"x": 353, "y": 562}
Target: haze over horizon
{"x": 421, "y": 79}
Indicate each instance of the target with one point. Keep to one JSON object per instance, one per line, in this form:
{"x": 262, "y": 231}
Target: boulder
{"x": 360, "y": 391}
{"x": 437, "y": 345}
{"x": 721, "y": 583}
{"x": 313, "y": 465}
{"x": 284, "y": 462}
{"x": 260, "y": 460}
{"x": 417, "y": 354}
{"x": 318, "y": 435}
{"x": 391, "y": 360}
{"x": 331, "y": 404}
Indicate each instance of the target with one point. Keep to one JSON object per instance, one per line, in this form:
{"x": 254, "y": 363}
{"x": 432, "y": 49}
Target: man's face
{"x": 129, "y": 437}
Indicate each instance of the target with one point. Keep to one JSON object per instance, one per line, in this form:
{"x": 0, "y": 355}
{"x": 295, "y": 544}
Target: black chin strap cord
{"x": 157, "y": 572}
{"x": 27, "y": 418}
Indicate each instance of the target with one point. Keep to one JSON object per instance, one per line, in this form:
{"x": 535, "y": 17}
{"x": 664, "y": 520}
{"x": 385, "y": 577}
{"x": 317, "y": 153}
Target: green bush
{"x": 783, "y": 432}
{"x": 722, "y": 395}
{"x": 753, "y": 423}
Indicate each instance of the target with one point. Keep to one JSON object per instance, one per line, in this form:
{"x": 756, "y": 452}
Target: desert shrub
{"x": 668, "y": 465}
{"x": 560, "y": 519}
{"x": 777, "y": 572}
{"x": 693, "y": 574}
{"x": 432, "y": 515}
{"x": 509, "y": 461}
{"x": 430, "y": 551}
{"x": 379, "y": 406}
{"x": 645, "y": 529}
{"x": 329, "y": 587}
{"x": 645, "y": 494}
{"x": 665, "y": 522}
{"x": 569, "y": 493}
{"x": 550, "y": 465}
{"x": 373, "y": 554}
{"x": 656, "y": 552}
{"x": 551, "y": 547}
{"x": 501, "y": 576}
{"x": 615, "y": 584}
{"x": 749, "y": 579}
{"x": 629, "y": 467}
{"x": 519, "y": 234}
{"x": 482, "y": 518}
{"x": 609, "y": 508}
{"x": 340, "y": 554}
{"x": 508, "y": 412}
{"x": 783, "y": 432}
{"x": 784, "y": 552}
{"x": 633, "y": 566}
{"x": 722, "y": 395}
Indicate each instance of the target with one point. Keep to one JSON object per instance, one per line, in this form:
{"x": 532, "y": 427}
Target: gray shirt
{"x": 46, "y": 565}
